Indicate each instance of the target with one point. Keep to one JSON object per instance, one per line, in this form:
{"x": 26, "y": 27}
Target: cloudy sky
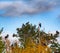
{"x": 13, "y": 13}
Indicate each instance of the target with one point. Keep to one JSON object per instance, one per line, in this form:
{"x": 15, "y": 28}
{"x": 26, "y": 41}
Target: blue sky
{"x": 50, "y": 19}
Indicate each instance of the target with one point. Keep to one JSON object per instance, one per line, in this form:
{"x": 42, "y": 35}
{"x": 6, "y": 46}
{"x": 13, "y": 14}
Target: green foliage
{"x": 1, "y": 30}
{"x": 1, "y": 45}
{"x": 27, "y": 30}
{"x": 55, "y": 47}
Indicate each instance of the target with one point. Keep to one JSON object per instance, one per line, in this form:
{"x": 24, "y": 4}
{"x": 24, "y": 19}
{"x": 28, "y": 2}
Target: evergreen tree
{"x": 26, "y": 31}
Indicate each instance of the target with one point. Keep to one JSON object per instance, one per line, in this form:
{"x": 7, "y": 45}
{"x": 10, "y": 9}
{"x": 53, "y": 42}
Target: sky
{"x": 13, "y": 13}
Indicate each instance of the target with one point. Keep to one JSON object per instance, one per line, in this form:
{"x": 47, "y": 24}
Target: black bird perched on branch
{"x": 39, "y": 24}
{"x": 6, "y": 36}
{"x": 57, "y": 32}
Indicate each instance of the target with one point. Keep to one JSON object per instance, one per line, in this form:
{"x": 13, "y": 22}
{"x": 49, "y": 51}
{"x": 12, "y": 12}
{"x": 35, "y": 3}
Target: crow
{"x": 6, "y": 36}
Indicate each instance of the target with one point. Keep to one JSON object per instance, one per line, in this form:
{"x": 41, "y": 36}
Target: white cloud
{"x": 17, "y": 8}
